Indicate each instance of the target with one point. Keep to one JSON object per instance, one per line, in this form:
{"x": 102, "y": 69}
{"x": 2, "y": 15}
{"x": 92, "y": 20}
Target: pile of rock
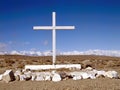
{"x": 25, "y": 75}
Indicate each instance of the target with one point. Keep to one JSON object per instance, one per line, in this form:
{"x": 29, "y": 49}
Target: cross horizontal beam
{"x": 51, "y": 27}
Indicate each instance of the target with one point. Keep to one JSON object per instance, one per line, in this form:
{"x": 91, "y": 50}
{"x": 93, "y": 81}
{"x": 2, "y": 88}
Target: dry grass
{"x": 17, "y": 61}
{"x": 98, "y": 62}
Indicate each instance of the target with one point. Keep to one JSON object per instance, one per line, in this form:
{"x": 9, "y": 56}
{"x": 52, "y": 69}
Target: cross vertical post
{"x": 54, "y": 37}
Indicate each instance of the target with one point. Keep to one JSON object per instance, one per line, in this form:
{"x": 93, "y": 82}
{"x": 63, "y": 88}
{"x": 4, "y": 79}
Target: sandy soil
{"x": 98, "y": 62}
{"x": 97, "y": 84}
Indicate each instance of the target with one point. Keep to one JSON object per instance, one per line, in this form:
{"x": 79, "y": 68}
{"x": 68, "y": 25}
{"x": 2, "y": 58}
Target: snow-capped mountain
{"x": 94, "y": 52}
{"x": 49, "y": 53}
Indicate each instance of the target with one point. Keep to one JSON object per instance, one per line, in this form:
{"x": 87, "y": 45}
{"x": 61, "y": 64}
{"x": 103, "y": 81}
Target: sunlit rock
{"x": 1, "y": 75}
{"x": 92, "y": 74}
{"x": 47, "y": 78}
{"x": 18, "y": 72}
{"x": 100, "y": 73}
{"x": 8, "y": 76}
{"x": 63, "y": 75}
{"x": 56, "y": 77}
{"x": 84, "y": 75}
{"x": 89, "y": 68}
{"x": 77, "y": 77}
{"x": 22, "y": 77}
{"x": 39, "y": 78}
{"x": 111, "y": 74}
{"x": 33, "y": 77}
{"x": 80, "y": 75}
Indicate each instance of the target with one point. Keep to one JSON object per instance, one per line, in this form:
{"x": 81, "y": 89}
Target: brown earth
{"x": 98, "y": 62}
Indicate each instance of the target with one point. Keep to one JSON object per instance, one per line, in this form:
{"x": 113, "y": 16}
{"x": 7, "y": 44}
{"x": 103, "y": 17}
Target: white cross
{"x": 53, "y": 27}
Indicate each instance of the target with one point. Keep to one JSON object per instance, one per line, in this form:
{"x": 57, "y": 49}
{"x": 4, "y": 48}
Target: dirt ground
{"x": 97, "y": 84}
{"x": 98, "y": 62}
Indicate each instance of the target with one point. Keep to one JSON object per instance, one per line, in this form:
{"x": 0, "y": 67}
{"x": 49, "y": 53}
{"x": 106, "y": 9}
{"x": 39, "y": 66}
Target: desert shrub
{"x": 9, "y": 61}
{"x": 34, "y": 60}
{"x": 48, "y": 60}
{"x": 110, "y": 64}
{"x": 86, "y": 63}
{"x": 1, "y": 65}
{"x": 28, "y": 62}
{"x": 20, "y": 65}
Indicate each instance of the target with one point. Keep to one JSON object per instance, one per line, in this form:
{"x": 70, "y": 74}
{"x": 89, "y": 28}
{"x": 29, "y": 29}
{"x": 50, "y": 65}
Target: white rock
{"x": 22, "y": 77}
{"x": 63, "y": 75}
{"x": 18, "y": 72}
{"x": 85, "y": 75}
{"x": 47, "y": 77}
{"x": 112, "y": 74}
{"x": 95, "y": 71}
{"x": 28, "y": 72}
{"x": 101, "y": 73}
{"x": 23, "y": 70}
{"x": 75, "y": 73}
{"x": 77, "y": 77}
{"x": 53, "y": 72}
{"x": 17, "y": 78}
{"x": 33, "y": 77}
{"x": 27, "y": 75}
{"x": 89, "y": 68}
{"x": 92, "y": 74}
{"x": 1, "y": 75}
{"x": 39, "y": 73}
{"x": 56, "y": 77}
{"x": 8, "y": 76}
{"x": 39, "y": 78}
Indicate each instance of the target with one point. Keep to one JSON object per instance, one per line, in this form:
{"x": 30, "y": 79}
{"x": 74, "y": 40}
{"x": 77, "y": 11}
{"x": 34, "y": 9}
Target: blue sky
{"x": 97, "y": 24}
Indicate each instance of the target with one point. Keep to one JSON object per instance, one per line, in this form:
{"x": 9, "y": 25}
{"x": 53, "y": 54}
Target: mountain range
{"x": 49, "y": 53}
